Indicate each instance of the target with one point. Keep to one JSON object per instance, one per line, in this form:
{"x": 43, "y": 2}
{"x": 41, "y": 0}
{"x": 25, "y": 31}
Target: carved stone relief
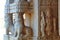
{"x": 42, "y": 23}
{"x": 28, "y": 33}
{"x": 9, "y": 24}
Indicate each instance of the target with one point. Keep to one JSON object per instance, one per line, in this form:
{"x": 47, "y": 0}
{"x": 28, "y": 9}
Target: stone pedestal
{"x": 35, "y": 19}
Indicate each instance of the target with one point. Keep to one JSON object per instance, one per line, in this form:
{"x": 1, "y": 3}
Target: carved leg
{"x": 42, "y": 30}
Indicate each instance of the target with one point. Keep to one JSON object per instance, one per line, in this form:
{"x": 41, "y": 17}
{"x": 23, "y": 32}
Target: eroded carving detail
{"x": 9, "y": 24}
{"x": 42, "y": 23}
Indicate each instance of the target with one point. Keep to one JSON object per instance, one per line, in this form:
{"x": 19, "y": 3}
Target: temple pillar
{"x": 35, "y": 19}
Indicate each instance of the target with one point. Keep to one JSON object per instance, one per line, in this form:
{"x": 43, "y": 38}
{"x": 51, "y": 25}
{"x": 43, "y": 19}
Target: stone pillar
{"x": 35, "y": 19}
{"x": 8, "y": 23}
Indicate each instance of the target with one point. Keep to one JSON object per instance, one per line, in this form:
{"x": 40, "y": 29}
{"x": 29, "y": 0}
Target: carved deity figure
{"x": 48, "y": 23}
{"x": 9, "y": 24}
{"x": 42, "y": 23}
{"x": 19, "y": 24}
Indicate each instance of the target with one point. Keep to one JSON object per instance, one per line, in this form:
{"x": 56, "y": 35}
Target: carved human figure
{"x": 48, "y": 23}
{"x": 42, "y": 23}
{"x": 9, "y": 24}
{"x": 18, "y": 24}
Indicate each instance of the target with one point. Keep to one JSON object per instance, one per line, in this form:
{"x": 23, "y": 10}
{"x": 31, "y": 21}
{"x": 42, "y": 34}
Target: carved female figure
{"x": 42, "y": 23}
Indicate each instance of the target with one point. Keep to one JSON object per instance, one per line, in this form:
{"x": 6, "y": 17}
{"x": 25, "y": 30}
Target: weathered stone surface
{"x": 9, "y": 23}
{"x": 18, "y": 24}
{"x": 41, "y": 17}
